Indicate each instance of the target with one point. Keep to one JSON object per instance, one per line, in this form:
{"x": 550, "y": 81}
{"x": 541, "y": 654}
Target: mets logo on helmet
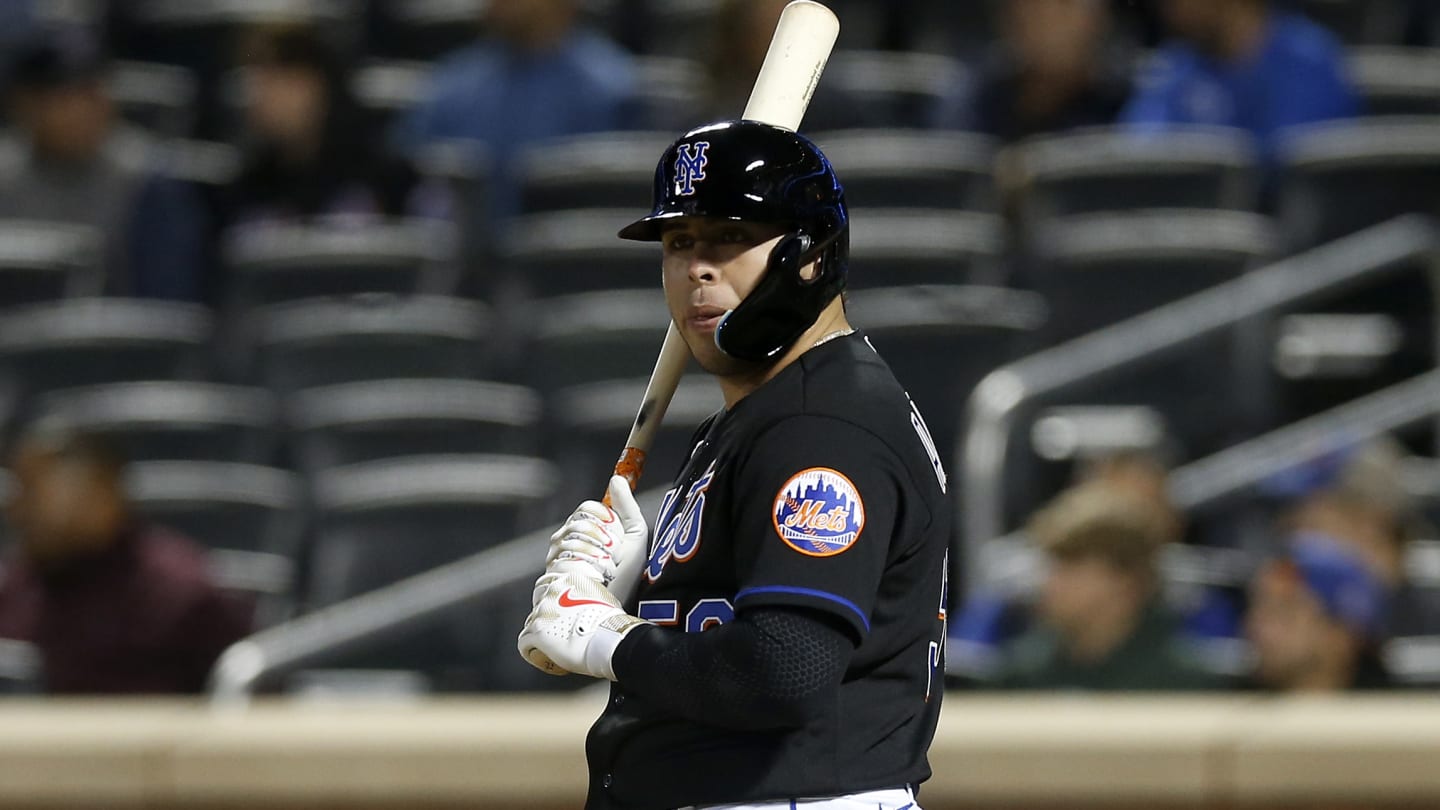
{"x": 819, "y": 512}
{"x": 690, "y": 163}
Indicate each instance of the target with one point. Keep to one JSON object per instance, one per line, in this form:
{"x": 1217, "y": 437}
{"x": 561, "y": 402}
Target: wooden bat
{"x": 804, "y": 37}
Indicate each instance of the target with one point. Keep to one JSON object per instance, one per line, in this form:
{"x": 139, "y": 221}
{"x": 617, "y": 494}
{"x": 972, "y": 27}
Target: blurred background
{"x": 313, "y": 323}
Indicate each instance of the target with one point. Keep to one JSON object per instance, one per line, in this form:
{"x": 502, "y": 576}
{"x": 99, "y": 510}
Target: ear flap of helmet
{"x": 783, "y": 305}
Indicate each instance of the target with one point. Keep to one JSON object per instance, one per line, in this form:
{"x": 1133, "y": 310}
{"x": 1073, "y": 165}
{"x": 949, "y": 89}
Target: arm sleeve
{"x": 772, "y": 668}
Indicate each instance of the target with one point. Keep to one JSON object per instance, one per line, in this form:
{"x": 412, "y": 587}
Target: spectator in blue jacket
{"x": 1240, "y": 63}
{"x": 537, "y": 75}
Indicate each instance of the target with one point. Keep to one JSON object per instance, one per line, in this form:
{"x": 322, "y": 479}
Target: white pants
{"x": 891, "y": 799}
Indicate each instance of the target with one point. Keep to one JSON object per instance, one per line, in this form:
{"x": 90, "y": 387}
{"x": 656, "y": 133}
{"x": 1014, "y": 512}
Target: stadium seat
{"x": 598, "y": 170}
{"x": 681, "y": 27}
{"x": 940, "y": 340}
{"x": 463, "y": 168}
{"x": 429, "y": 29}
{"x": 366, "y": 421}
{"x": 250, "y": 517}
{"x": 1359, "y": 21}
{"x": 884, "y": 89}
{"x": 160, "y": 98}
{"x": 562, "y": 252}
{"x": 383, "y": 521}
{"x": 306, "y": 344}
{"x": 908, "y": 169}
{"x": 93, "y": 341}
{"x": 587, "y": 337}
{"x": 275, "y": 263}
{"x": 1340, "y": 177}
{"x": 44, "y": 261}
{"x": 1097, "y": 269}
{"x": 592, "y": 420}
{"x": 174, "y": 420}
{"x": 388, "y": 88}
{"x": 1397, "y": 81}
{"x": 1111, "y": 168}
{"x": 890, "y": 247}
{"x": 671, "y": 90}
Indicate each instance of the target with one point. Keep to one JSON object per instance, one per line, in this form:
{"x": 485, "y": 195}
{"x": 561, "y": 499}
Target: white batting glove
{"x": 575, "y": 627}
{"x": 608, "y": 543}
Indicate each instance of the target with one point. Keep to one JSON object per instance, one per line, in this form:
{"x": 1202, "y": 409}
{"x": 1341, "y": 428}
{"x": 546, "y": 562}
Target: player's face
{"x": 710, "y": 265}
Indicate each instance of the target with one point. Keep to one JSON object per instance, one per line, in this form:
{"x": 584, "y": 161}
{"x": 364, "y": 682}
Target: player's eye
{"x": 679, "y": 241}
{"x": 734, "y": 236}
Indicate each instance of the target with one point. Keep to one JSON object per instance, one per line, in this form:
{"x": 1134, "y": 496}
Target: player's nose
{"x": 702, "y": 270}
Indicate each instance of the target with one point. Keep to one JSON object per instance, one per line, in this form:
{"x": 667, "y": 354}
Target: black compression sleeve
{"x": 771, "y": 667}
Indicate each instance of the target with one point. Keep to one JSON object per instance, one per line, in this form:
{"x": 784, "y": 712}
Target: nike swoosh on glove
{"x": 608, "y": 543}
{"x": 575, "y": 627}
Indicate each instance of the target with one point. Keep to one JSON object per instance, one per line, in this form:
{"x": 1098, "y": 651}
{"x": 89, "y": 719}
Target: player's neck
{"x": 736, "y": 387}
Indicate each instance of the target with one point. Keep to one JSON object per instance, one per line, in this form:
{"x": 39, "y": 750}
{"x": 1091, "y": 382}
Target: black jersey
{"x": 820, "y": 489}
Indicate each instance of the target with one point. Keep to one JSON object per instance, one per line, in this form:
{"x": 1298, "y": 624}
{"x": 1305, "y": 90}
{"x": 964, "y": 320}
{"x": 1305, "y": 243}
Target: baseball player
{"x": 779, "y": 641}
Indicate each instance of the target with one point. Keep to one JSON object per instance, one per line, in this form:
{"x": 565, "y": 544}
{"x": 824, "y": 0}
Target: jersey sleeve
{"x": 816, "y": 510}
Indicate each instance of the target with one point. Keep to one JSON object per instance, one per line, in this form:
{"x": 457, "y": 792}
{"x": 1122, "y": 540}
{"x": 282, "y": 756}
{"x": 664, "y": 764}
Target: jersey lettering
{"x": 680, "y": 537}
{"x": 923, "y": 431}
{"x": 937, "y": 647}
{"x": 664, "y": 612}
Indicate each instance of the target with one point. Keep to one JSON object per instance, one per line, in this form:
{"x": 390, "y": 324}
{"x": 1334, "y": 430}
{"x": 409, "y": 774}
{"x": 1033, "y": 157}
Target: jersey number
{"x": 706, "y": 613}
{"x": 923, "y": 431}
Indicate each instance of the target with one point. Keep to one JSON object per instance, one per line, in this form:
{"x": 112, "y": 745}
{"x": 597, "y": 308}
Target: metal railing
{"x": 1365, "y": 256}
{"x": 380, "y": 615}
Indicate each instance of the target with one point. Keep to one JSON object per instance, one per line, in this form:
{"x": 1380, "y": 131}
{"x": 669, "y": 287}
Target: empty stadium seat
{"x": 366, "y": 421}
{"x": 1397, "y": 81}
{"x": 464, "y": 169}
{"x": 884, "y": 89}
{"x": 274, "y": 263}
{"x": 1112, "y": 168}
{"x": 44, "y": 261}
{"x": 940, "y": 340}
{"x": 306, "y": 344}
{"x": 669, "y": 94}
{"x": 93, "y": 341}
{"x": 908, "y": 169}
{"x": 416, "y": 513}
{"x": 1098, "y": 269}
{"x": 562, "y": 252}
{"x": 594, "y": 336}
{"x": 890, "y": 247}
{"x": 427, "y": 29}
{"x": 388, "y": 88}
{"x": 597, "y": 170}
{"x": 175, "y": 420}
{"x": 1359, "y": 21}
{"x": 160, "y": 98}
{"x": 592, "y": 420}
{"x": 1343, "y": 176}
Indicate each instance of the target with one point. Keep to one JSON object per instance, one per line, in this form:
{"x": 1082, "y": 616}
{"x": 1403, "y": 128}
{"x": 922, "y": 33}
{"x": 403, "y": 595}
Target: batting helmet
{"x": 755, "y": 172}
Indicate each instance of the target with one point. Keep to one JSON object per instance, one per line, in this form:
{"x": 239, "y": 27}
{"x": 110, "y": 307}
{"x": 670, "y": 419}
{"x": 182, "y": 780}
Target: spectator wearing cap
{"x": 1314, "y": 620}
{"x": 1356, "y": 496}
{"x": 1052, "y": 71}
{"x": 1241, "y": 63}
{"x": 538, "y": 74}
{"x": 70, "y": 161}
{"x": 115, "y": 606}
{"x": 1101, "y": 624}
{"x": 309, "y": 154}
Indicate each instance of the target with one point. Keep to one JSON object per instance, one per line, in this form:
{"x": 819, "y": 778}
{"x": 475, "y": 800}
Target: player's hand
{"x": 575, "y": 627}
{"x": 607, "y": 543}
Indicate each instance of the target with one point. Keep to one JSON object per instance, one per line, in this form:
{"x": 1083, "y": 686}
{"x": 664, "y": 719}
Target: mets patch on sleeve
{"x": 819, "y": 512}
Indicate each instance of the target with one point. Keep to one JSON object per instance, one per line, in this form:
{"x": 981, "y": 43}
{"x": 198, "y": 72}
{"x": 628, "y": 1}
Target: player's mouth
{"x": 704, "y": 319}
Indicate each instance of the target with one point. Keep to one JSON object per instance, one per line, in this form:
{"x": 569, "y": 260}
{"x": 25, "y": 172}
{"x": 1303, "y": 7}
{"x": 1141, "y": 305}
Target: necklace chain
{"x": 838, "y": 333}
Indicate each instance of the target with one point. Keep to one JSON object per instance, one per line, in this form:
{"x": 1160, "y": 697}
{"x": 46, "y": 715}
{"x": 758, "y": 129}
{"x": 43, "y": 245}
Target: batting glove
{"x": 575, "y": 627}
{"x": 608, "y": 543}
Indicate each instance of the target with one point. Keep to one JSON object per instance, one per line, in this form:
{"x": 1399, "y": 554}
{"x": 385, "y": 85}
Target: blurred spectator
{"x": 1051, "y": 71}
{"x": 1142, "y": 475}
{"x": 1101, "y": 624}
{"x": 308, "y": 151}
{"x": 537, "y": 75}
{"x": 115, "y": 606}
{"x": 70, "y": 160}
{"x": 1358, "y": 499}
{"x": 1240, "y": 63}
{"x": 1314, "y": 620}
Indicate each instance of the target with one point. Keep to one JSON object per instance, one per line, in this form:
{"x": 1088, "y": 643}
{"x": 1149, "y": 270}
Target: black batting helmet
{"x": 755, "y": 172}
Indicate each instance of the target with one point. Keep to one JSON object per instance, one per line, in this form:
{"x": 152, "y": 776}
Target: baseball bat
{"x": 799, "y": 49}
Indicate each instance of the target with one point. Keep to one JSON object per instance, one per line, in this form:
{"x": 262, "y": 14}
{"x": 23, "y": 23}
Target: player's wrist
{"x": 600, "y": 652}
